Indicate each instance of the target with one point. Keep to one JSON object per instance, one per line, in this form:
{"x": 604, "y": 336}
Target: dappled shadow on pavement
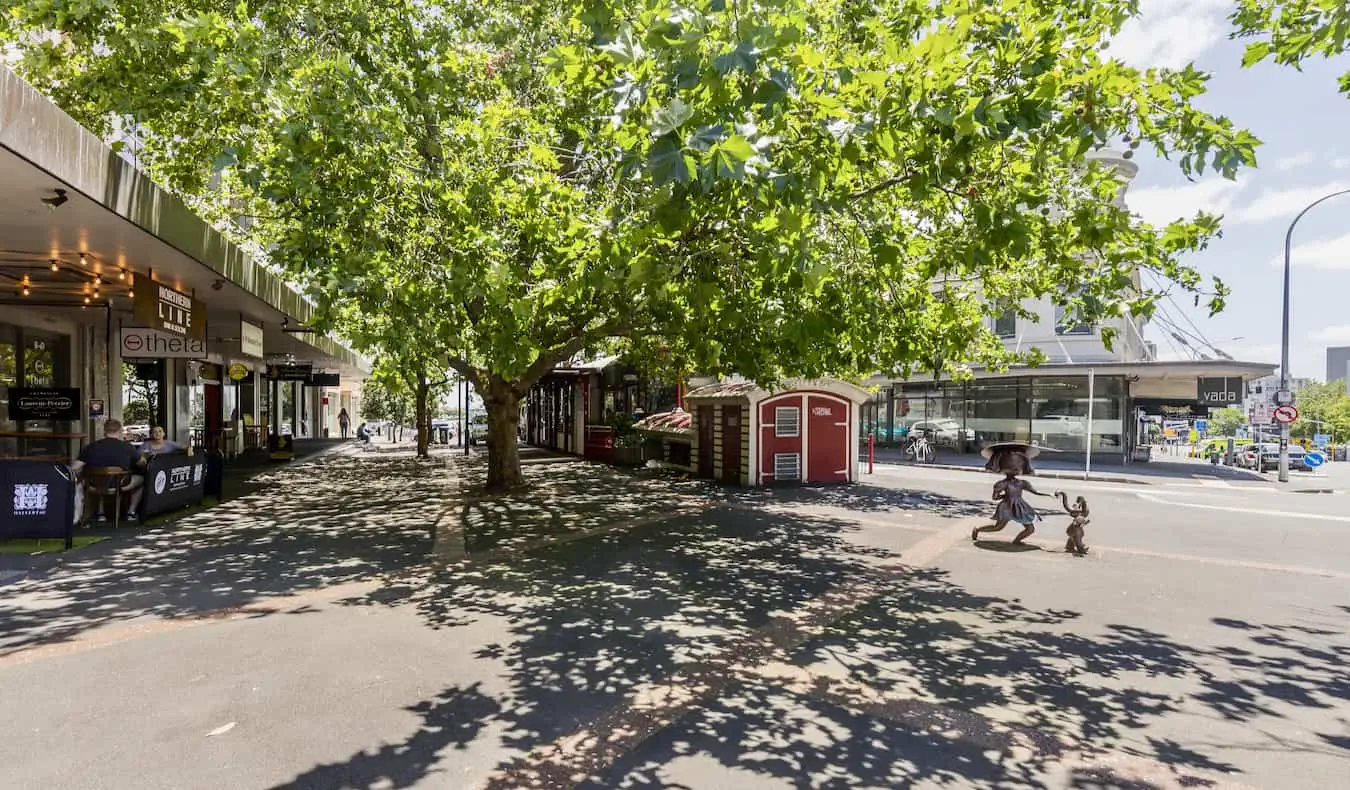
{"x": 927, "y": 683}
{"x": 326, "y": 522}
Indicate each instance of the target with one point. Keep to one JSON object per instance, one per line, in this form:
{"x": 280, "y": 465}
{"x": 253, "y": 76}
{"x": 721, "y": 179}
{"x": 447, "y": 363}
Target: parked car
{"x": 135, "y": 433}
{"x": 1267, "y": 458}
{"x": 945, "y": 432}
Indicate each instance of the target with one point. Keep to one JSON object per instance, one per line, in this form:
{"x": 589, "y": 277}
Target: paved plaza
{"x": 367, "y": 620}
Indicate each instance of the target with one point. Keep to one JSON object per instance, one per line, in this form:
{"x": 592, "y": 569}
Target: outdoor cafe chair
{"x": 103, "y": 481}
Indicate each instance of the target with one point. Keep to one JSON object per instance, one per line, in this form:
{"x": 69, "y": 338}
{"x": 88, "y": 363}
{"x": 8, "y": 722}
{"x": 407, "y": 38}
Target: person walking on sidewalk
{"x": 344, "y": 422}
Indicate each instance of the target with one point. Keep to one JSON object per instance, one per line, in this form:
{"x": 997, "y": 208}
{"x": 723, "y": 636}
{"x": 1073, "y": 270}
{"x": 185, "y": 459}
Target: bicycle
{"x": 920, "y": 450}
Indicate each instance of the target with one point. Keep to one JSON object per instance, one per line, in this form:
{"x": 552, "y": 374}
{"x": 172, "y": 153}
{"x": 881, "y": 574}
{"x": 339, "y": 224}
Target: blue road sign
{"x": 1313, "y": 459}
{"x": 1202, "y": 425}
{"x": 1321, "y": 439}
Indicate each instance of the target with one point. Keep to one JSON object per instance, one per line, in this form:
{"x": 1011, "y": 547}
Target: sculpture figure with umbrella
{"x": 1011, "y": 459}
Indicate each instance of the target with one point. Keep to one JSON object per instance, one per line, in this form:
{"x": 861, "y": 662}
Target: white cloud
{"x": 1338, "y": 335}
{"x": 1341, "y": 163}
{"x": 1161, "y": 205}
{"x": 1171, "y": 33}
{"x": 1294, "y": 162}
{"x": 1277, "y": 203}
{"x": 1321, "y": 254}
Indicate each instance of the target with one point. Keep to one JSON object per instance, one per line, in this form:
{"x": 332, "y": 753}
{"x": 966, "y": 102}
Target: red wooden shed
{"x": 806, "y": 431}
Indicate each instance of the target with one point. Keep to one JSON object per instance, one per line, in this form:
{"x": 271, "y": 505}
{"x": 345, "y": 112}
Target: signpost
{"x": 1285, "y": 415}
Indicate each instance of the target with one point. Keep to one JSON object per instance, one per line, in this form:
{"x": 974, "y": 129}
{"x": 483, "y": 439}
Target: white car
{"x": 478, "y": 428}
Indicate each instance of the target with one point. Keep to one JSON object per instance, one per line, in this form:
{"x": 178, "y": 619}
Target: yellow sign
{"x": 238, "y": 372}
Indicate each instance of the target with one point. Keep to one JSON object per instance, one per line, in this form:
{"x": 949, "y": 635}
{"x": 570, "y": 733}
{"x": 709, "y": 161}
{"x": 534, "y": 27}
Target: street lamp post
{"x": 1283, "y": 396}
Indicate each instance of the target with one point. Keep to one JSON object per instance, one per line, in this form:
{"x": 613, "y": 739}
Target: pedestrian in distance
{"x": 1011, "y": 459}
{"x": 344, "y": 422}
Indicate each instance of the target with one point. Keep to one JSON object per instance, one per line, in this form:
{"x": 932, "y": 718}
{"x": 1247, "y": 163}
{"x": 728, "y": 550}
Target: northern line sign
{"x": 160, "y": 307}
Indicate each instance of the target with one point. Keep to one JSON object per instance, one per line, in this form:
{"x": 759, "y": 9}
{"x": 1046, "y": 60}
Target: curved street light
{"x": 1283, "y": 396}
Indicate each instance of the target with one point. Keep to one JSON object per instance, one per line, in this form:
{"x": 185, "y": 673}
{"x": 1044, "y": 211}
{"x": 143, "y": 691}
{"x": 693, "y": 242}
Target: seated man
{"x": 363, "y": 434}
{"x": 112, "y": 451}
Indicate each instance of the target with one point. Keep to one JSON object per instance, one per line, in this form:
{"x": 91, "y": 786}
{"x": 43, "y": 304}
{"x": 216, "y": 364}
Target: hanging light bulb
{"x": 98, "y": 280}
{"x": 24, "y": 290}
{"x": 56, "y": 267}
{"x": 84, "y": 259}
{"x": 121, "y": 274}
{"x": 86, "y": 300}
{"x": 131, "y": 294}
{"x": 26, "y": 280}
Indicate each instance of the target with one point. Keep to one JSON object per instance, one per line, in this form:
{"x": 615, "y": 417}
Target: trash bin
{"x": 442, "y": 435}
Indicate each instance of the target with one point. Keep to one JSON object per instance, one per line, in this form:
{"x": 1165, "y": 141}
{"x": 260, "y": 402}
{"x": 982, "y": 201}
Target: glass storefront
{"x": 32, "y": 358}
{"x": 1050, "y": 411}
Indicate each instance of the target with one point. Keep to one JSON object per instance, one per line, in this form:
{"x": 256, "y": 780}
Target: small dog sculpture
{"x": 1079, "y": 514}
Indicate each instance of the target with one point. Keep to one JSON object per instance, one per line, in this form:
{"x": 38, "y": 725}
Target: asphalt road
{"x": 604, "y": 633}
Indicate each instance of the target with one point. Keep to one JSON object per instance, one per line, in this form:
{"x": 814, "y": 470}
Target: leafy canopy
{"x": 787, "y": 187}
{"x": 1291, "y": 31}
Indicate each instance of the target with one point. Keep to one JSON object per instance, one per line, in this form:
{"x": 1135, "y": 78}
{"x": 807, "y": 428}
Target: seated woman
{"x": 157, "y": 444}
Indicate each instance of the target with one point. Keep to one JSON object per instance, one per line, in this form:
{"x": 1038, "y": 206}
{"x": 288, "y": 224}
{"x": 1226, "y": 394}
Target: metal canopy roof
{"x": 120, "y": 220}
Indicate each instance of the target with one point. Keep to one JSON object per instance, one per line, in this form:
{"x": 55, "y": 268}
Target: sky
{"x": 1304, "y": 124}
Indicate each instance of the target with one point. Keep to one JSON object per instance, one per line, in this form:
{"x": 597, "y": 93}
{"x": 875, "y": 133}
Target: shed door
{"x": 827, "y": 439}
{"x": 731, "y": 444}
{"x": 706, "y": 416}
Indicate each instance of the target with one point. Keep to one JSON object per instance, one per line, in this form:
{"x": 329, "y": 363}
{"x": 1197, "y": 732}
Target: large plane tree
{"x": 785, "y": 187}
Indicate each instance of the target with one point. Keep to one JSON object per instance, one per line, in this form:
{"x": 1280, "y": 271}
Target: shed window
{"x": 787, "y": 466}
{"x": 787, "y": 421}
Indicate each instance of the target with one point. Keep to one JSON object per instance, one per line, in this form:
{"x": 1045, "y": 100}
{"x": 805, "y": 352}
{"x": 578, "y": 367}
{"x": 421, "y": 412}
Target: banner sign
{"x": 250, "y": 340}
{"x": 37, "y": 500}
{"x": 1171, "y": 408}
{"x": 146, "y": 343}
{"x": 1220, "y": 391}
{"x": 160, "y": 307}
{"x": 323, "y": 380}
{"x": 45, "y": 403}
{"x": 297, "y": 371}
{"x": 173, "y": 481}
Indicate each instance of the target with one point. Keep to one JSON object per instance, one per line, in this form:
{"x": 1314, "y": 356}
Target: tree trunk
{"x": 423, "y": 421}
{"x": 503, "y": 412}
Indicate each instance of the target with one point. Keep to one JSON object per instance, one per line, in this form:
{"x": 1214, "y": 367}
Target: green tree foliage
{"x": 386, "y": 397}
{"x": 1226, "y": 421}
{"x": 136, "y": 412}
{"x": 1327, "y": 404}
{"x": 797, "y": 187}
{"x": 1291, "y": 31}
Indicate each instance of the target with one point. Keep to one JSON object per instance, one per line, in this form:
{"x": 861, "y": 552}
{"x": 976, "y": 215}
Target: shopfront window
{"x": 936, "y": 410}
{"x": 30, "y": 358}
{"x": 1000, "y": 411}
{"x": 1060, "y": 413}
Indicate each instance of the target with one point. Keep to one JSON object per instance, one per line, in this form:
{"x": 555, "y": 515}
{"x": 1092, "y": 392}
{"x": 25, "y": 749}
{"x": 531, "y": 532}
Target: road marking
{"x": 1302, "y": 570}
{"x": 1245, "y": 510}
